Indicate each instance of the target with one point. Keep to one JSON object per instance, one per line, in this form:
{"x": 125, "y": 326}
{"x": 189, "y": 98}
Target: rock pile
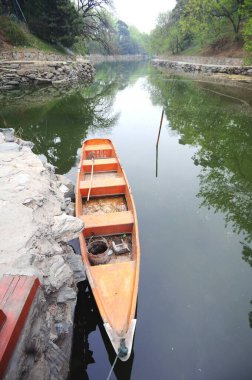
{"x": 36, "y": 223}
{"x": 14, "y": 74}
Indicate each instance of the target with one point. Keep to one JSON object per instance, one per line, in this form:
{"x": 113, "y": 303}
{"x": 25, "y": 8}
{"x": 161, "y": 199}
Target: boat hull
{"x": 104, "y": 202}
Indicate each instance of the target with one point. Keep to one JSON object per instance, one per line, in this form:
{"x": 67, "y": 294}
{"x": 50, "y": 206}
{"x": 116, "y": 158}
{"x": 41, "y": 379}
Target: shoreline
{"x": 189, "y": 66}
{"x": 37, "y": 222}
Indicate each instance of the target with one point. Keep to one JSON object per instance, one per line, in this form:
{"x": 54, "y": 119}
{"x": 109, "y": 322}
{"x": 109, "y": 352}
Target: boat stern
{"x": 122, "y": 344}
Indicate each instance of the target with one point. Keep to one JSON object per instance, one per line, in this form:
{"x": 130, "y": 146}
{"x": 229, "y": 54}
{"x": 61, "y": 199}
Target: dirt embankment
{"x": 224, "y": 48}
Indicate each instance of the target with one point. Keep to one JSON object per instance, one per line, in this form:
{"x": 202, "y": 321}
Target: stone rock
{"x": 27, "y": 144}
{"x": 58, "y": 362}
{"x": 2, "y": 138}
{"x": 6, "y": 87}
{"x": 9, "y": 147}
{"x": 31, "y": 76}
{"x": 66, "y": 227}
{"x": 13, "y": 83}
{"x": 8, "y": 134}
{"x": 63, "y": 189}
{"x": 59, "y": 272}
{"x": 49, "y": 75}
{"x": 67, "y": 187}
{"x": 76, "y": 264}
{"x": 42, "y": 80}
{"x": 66, "y": 294}
{"x": 40, "y": 370}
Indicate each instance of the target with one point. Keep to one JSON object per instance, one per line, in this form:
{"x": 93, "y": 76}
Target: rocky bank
{"x": 36, "y": 223}
{"x": 20, "y": 69}
{"x": 203, "y": 65}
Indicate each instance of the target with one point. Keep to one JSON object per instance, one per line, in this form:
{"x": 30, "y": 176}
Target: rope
{"x": 91, "y": 180}
{"x": 113, "y": 365}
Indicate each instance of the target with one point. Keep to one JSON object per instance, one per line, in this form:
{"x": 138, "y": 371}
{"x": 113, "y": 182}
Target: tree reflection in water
{"x": 57, "y": 120}
{"x": 220, "y": 128}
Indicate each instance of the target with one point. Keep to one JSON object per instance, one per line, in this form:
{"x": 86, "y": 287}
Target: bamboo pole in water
{"x": 160, "y": 126}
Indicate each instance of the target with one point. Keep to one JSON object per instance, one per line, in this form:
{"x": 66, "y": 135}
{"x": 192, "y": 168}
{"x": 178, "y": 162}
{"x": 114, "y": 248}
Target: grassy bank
{"x": 13, "y": 33}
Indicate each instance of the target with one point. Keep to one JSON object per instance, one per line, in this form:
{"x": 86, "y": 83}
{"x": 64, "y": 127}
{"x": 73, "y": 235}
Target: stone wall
{"x": 14, "y": 74}
{"x": 176, "y": 67}
{"x": 36, "y": 222}
{"x": 226, "y": 61}
{"x": 32, "y": 55}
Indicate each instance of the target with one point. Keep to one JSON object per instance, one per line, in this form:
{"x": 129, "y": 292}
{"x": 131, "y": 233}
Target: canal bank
{"x": 36, "y": 223}
{"x": 26, "y": 68}
{"x": 22, "y": 69}
{"x": 204, "y": 66}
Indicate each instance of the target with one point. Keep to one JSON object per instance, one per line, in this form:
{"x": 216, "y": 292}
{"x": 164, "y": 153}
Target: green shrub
{"x": 13, "y": 31}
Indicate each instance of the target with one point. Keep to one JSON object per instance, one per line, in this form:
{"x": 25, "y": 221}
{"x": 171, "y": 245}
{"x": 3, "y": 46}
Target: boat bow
{"x": 122, "y": 344}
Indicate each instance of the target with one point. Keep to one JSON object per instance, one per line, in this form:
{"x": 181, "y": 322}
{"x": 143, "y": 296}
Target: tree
{"x": 232, "y": 10}
{"x": 204, "y": 16}
{"x": 247, "y": 10}
{"x": 56, "y": 21}
{"x": 101, "y": 36}
{"x": 95, "y": 17}
{"x": 169, "y": 34}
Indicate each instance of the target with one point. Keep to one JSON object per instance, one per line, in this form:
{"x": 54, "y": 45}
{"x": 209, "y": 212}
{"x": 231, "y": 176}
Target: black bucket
{"x": 98, "y": 251}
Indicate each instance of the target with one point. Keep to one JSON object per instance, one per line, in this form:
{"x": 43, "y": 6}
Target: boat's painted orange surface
{"x": 114, "y": 285}
{"x": 16, "y": 296}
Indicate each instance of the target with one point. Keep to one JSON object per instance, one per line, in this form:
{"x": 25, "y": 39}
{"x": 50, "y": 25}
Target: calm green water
{"x": 194, "y": 208}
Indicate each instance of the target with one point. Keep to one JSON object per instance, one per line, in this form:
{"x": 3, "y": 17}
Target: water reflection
{"x": 220, "y": 128}
{"x": 57, "y": 120}
{"x": 87, "y": 319}
{"x": 221, "y": 131}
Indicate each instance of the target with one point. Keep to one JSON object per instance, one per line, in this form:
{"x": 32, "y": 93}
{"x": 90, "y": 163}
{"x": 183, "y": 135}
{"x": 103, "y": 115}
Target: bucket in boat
{"x": 98, "y": 251}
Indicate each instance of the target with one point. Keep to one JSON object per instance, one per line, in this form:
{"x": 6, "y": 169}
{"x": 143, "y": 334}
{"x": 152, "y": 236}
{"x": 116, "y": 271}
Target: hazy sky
{"x": 142, "y": 13}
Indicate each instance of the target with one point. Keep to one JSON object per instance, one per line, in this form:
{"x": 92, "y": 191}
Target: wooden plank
{"x": 103, "y": 186}
{"x": 107, "y": 164}
{"x": 109, "y": 223}
{"x": 16, "y": 296}
{"x": 114, "y": 284}
{"x": 89, "y": 148}
{"x": 2, "y": 318}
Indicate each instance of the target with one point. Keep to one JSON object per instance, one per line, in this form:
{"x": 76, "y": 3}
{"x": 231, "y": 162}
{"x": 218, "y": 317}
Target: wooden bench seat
{"x": 100, "y": 165}
{"x": 16, "y": 296}
{"x": 98, "y": 147}
{"x": 99, "y": 150}
{"x": 103, "y": 186}
{"x": 108, "y": 223}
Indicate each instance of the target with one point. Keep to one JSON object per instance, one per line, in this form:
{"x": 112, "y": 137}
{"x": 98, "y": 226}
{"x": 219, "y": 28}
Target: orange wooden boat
{"x": 109, "y": 243}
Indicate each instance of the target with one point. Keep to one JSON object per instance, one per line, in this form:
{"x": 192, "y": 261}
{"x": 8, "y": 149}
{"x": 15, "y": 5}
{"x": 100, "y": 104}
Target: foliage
{"x": 17, "y": 34}
{"x": 248, "y": 29}
{"x": 170, "y": 34}
{"x": 55, "y": 21}
{"x": 104, "y": 40}
{"x": 202, "y": 22}
{"x": 87, "y": 26}
{"x": 14, "y": 32}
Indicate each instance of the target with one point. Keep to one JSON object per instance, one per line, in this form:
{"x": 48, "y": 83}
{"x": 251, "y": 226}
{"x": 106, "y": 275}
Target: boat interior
{"x": 105, "y": 206}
